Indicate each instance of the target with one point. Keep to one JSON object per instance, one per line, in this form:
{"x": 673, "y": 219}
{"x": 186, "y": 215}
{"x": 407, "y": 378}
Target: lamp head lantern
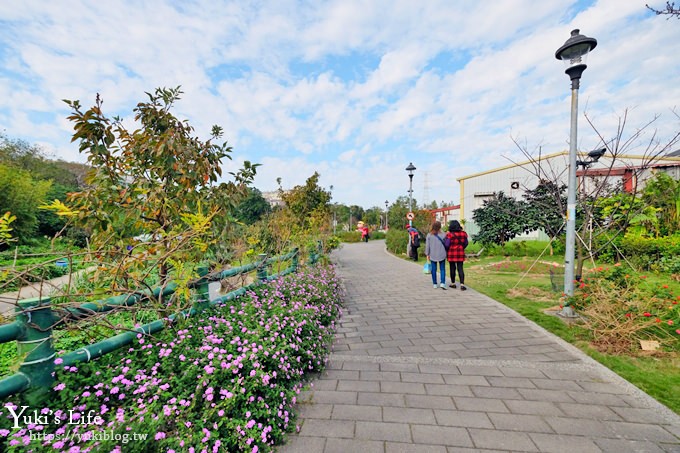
{"x": 574, "y": 53}
{"x": 410, "y": 169}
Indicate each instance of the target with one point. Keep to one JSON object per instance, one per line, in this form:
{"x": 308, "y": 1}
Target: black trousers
{"x": 461, "y": 274}
{"x": 414, "y": 253}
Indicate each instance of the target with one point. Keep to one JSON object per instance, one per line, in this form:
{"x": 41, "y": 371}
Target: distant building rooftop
{"x": 273, "y": 198}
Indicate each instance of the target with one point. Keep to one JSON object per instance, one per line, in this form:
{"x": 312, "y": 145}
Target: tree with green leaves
{"x": 356, "y": 214}
{"x": 544, "y": 208}
{"x": 500, "y": 219}
{"x": 373, "y": 217}
{"x": 340, "y": 214}
{"x": 397, "y": 212}
{"x": 63, "y": 178}
{"x": 304, "y": 220}
{"x": 662, "y": 191}
{"x": 252, "y": 208}
{"x": 309, "y": 203}
{"x": 21, "y": 194}
{"x": 158, "y": 182}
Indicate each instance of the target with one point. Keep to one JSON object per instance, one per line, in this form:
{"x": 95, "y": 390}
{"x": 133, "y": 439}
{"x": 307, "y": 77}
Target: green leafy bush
{"x": 349, "y": 236}
{"x": 396, "y": 240}
{"x": 670, "y": 265}
{"x": 332, "y": 243}
{"x": 643, "y": 252}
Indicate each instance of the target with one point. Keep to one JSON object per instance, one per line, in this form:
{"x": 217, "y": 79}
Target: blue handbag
{"x": 426, "y": 268}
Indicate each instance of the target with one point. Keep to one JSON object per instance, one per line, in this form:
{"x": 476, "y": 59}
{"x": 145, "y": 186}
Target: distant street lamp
{"x": 386, "y": 203}
{"x": 410, "y": 169}
{"x": 573, "y": 53}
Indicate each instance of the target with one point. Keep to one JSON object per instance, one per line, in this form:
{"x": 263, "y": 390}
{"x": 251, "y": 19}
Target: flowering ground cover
{"x": 226, "y": 380}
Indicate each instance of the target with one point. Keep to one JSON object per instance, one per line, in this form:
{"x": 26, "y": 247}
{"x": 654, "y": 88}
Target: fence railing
{"x": 36, "y": 319}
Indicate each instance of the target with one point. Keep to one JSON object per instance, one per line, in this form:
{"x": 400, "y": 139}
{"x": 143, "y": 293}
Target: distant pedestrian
{"x": 413, "y": 242}
{"x": 364, "y": 233}
{"x": 456, "y": 254}
{"x": 436, "y": 253}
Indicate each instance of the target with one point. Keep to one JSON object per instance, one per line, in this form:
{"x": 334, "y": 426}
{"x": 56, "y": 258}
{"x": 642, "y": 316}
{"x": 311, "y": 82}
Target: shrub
{"x": 349, "y": 236}
{"x": 377, "y": 235}
{"x": 225, "y": 381}
{"x": 396, "y": 240}
{"x": 644, "y": 253}
{"x": 620, "y": 310}
{"x": 670, "y": 265}
{"x": 332, "y": 243}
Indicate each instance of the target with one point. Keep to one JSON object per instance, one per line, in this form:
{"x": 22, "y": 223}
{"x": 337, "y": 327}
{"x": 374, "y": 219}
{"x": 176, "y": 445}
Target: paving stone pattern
{"x": 415, "y": 369}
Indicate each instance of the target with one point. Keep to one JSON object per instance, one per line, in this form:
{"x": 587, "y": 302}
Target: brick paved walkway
{"x": 416, "y": 369}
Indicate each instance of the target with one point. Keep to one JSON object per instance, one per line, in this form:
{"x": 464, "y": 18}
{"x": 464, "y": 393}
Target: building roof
{"x": 670, "y": 159}
{"x": 517, "y": 164}
{"x": 445, "y": 208}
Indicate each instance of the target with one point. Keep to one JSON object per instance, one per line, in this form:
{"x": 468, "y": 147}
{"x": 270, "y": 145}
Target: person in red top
{"x": 364, "y": 233}
{"x": 456, "y": 254}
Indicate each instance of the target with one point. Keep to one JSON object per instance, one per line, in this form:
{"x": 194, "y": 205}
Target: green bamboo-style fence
{"x": 35, "y": 320}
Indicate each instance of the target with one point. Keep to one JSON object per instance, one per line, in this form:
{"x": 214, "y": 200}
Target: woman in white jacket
{"x": 436, "y": 253}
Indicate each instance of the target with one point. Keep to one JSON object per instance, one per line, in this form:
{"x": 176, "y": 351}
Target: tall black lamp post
{"x": 410, "y": 169}
{"x": 386, "y": 225}
{"x": 573, "y": 53}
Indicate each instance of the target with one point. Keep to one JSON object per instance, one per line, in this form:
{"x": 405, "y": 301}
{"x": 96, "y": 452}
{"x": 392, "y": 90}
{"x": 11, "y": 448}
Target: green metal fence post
{"x": 262, "y": 270}
{"x": 296, "y": 258}
{"x": 202, "y": 290}
{"x": 35, "y": 345}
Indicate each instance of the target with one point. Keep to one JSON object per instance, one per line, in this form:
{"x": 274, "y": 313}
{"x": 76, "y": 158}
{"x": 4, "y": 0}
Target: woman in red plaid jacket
{"x": 456, "y": 253}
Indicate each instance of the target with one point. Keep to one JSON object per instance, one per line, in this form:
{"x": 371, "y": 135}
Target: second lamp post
{"x": 410, "y": 169}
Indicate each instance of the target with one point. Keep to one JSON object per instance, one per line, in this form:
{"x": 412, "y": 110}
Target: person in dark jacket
{"x": 456, "y": 254}
{"x": 413, "y": 242}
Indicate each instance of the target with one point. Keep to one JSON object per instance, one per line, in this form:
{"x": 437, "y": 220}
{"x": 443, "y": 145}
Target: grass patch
{"x": 659, "y": 377}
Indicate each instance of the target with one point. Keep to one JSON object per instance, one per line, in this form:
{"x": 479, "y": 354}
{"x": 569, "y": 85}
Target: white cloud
{"x": 347, "y": 156}
{"x": 352, "y": 89}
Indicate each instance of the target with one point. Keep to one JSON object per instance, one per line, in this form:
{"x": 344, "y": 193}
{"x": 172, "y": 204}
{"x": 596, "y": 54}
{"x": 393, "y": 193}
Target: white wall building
{"x": 513, "y": 180}
{"x": 273, "y": 198}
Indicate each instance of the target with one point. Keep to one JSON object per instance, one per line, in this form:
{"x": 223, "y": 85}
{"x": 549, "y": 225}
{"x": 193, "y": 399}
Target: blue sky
{"x": 352, "y": 89}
